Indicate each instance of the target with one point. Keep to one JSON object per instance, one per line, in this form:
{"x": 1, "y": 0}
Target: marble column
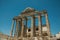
{"x": 12, "y": 29}
{"x": 22, "y": 28}
{"x": 32, "y": 25}
{"x": 26, "y": 26}
{"x": 47, "y": 24}
{"x": 17, "y": 26}
{"x": 40, "y": 27}
{"x": 26, "y": 21}
{"x": 39, "y": 24}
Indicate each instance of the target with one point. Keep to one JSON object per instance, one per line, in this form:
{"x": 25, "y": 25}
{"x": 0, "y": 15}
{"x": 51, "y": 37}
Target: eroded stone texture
{"x": 22, "y": 32}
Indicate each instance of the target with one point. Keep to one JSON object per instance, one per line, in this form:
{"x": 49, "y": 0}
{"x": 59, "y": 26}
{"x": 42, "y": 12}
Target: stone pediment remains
{"x": 28, "y": 10}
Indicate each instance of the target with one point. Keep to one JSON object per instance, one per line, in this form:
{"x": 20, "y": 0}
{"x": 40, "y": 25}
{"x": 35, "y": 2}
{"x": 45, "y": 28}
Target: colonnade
{"x": 21, "y": 20}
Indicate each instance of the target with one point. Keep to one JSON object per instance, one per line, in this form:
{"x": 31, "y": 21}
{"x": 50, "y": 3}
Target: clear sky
{"x": 11, "y": 8}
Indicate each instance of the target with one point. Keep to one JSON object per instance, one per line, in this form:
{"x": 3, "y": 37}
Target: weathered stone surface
{"x": 22, "y": 32}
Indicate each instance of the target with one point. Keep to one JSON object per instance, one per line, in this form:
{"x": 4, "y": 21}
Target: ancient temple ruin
{"x": 22, "y": 32}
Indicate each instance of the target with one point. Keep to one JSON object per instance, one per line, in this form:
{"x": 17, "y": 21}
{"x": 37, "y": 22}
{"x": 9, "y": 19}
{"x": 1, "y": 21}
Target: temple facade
{"x": 20, "y": 30}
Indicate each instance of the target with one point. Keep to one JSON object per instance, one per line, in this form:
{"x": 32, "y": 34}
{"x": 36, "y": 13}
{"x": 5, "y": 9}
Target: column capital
{"x": 33, "y": 16}
{"x": 46, "y": 14}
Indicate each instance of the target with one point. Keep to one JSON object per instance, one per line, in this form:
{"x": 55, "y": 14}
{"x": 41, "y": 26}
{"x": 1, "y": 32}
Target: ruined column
{"x": 47, "y": 24}
{"x": 22, "y": 28}
{"x": 12, "y": 28}
{"x": 26, "y": 21}
{"x": 17, "y": 22}
{"x": 39, "y": 26}
{"x": 19, "y": 28}
{"x": 26, "y": 26}
{"x": 32, "y": 25}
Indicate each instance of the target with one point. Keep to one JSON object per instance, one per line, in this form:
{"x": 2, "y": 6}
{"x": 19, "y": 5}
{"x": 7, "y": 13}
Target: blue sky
{"x": 11, "y": 8}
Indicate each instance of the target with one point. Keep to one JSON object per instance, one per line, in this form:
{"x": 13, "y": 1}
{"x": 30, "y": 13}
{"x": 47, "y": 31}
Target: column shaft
{"x": 26, "y": 27}
{"x": 39, "y": 25}
{"x": 12, "y": 29}
{"x": 11, "y": 33}
{"x": 32, "y": 25}
{"x": 47, "y": 23}
{"x": 17, "y": 22}
{"x": 22, "y": 28}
